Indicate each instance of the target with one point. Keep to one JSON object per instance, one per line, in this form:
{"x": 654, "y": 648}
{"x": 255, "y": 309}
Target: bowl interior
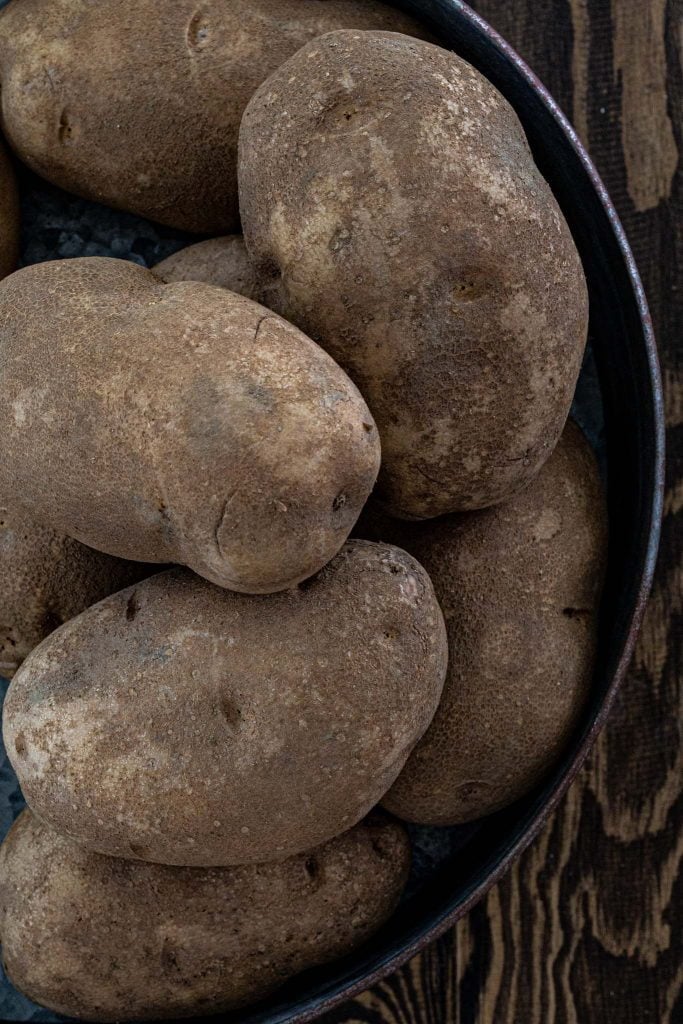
{"x": 618, "y": 403}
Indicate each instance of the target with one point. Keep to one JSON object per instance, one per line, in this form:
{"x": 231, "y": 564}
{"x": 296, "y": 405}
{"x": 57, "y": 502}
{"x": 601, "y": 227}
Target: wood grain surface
{"x": 588, "y": 926}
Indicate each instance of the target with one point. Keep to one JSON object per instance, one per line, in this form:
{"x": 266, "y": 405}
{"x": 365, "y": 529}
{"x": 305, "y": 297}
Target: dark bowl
{"x": 619, "y": 403}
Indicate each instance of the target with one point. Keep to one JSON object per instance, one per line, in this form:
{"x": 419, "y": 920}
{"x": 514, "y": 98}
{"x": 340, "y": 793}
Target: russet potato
{"x": 121, "y": 104}
{"x": 393, "y": 210}
{"x": 109, "y": 940}
{"x": 520, "y": 588}
{"x": 179, "y": 723}
{"x": 177, "y": 423}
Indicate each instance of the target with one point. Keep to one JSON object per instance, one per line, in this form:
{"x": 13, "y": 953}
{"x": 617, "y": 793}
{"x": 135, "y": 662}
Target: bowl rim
{"x": 445, "y": 921}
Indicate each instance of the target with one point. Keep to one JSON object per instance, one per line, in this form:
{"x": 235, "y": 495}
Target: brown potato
{"x": 220, "y": 261}
{"x": 116, "y": 103}
{"x": 48, "y": 578}
{"x": 9, "y": 215}
{"x": 519, "y": 586}
{"x": 177, "y": 423}
{"x": 179, "y": 723}
{"x": 388, "y": 190}
{"x": 110, "y": 940}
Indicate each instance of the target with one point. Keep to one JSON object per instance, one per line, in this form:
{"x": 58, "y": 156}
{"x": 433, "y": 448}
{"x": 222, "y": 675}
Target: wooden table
{"x": 588, "y": 927}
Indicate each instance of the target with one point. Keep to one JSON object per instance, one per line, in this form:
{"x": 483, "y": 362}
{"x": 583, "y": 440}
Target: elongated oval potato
{"x": 110, "y": 940}
{"x": 220, "y": 261}
{"x": 178, "y": 723}
{"x": 177, "y": 423}
{"x": 48, "y": 578}
{"x": 118, "y": 104}
{"x": 389, "y": 191}
{"x": 9, "y": 215}
{"x": 519, "y": 586}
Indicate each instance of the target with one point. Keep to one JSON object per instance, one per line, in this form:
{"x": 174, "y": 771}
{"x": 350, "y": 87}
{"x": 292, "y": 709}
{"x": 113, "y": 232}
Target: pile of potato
{"x": 203, "y": 748}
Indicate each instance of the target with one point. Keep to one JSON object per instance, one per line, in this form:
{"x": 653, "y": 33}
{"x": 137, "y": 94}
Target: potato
{"x": 177, "y": 423}
{"x": 110, "y": 940}
{"x": 220, "y": 261}
{"x": 179, "y": 723}
{"x": 48, "y": 578}
{"x": 519, "y": 586}
{"x": 115, "y": 103}
{"x": 9, "y": 215}
{"x": 389, "y": 195}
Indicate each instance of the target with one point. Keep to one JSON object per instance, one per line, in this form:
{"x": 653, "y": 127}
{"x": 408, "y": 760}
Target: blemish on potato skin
{"x": 411, "y": 588}
{"x": 313, "y": 869}
{"x": 197, "y": 33}
{"x": 168, "y": 957}
{"x": 472, "y": 285}
{"x": 65, "y": 129}
{"x": 230, "y": 712}
{"x": 132, "y": 607}
{"x": 548, "y": 525}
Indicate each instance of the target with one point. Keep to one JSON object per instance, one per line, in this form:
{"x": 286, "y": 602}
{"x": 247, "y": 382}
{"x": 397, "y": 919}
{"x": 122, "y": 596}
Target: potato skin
{"x": 177, "y": 423}
{"x": 219, "y": 261}
{"x": 111, "y": 940}
{"x": 9, "y": 214}
{"x": 178, "y": 723}
{"x": 519, "y": 586}
{"x": 389, "y": 190}
{"x": 141, "y": 112}
{"x": 48, "y": 578}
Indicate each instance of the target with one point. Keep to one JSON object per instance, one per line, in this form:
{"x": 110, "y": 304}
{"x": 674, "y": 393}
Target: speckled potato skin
{"x": 177, "y": 423}
{"x": 111, "y": 940}
{"x": 219, "y": 261}
{"x": 115, "y": 103}
{"x": 389, "y": 191}
{"x": 178, "y": 723}
{"x": 519, "y": 586}
{"x": 46, "y": 579}
{"x": 9, "y": 215}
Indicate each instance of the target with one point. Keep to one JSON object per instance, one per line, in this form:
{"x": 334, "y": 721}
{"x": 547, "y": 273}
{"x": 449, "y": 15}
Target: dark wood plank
{"x": 587, "y": 927}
